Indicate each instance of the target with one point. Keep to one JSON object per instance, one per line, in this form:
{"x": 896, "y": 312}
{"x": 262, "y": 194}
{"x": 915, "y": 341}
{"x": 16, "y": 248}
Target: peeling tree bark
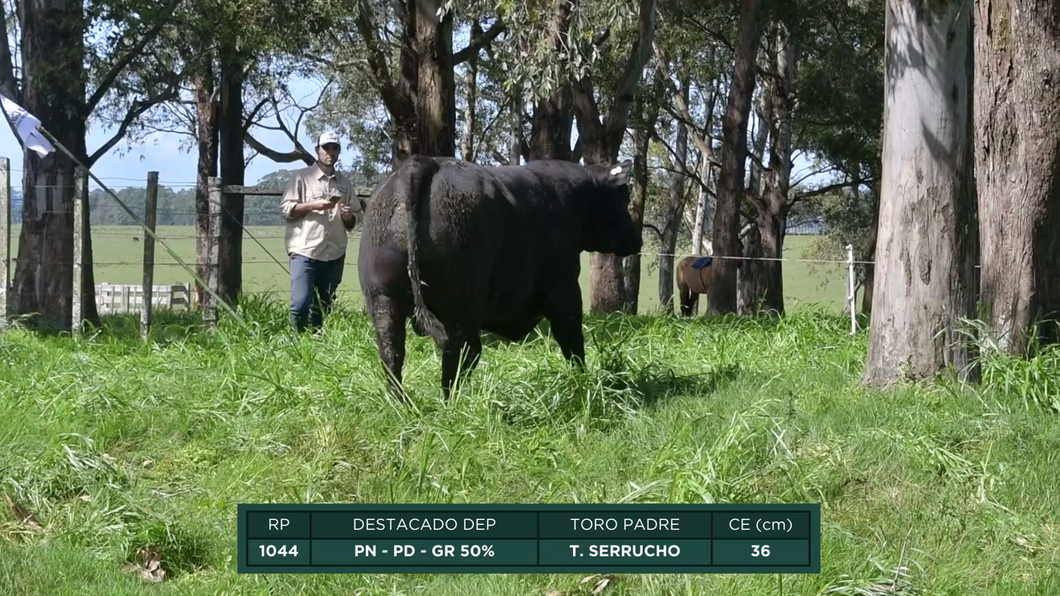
{"x": 435, "y": 97}
{"x": 468, "y": 146}
{"x": 206, "y": 141}
{"x": 925, "y": 255}
{"x": 1017, "y": 110}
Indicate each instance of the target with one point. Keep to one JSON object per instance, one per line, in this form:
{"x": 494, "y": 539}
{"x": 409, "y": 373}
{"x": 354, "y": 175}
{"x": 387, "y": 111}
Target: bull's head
{"x": 608, "y": 227}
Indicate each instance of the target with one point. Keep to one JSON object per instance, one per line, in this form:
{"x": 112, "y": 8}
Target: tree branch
{"x": 253, "y": 114}
{"x": 118, "y": 67}
{"x": 377, "y": 63}
{"x": 478, "y": 42}
{"x": 8, "y": 84}
{"x": 826, "y": 189}
{"x": 587, "y": 113}
{"x": 298, "y": 154}
{"x": 135, "y": 111}
{"x": 815, "y": 173}
{"x": 626, "y": 88}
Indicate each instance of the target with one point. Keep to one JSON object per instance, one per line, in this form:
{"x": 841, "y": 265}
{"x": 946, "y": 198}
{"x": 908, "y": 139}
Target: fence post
{"x": 5, "y": 240}
{"x": 209, "y": 306}
{"x": 150, "y": 217}
{"x": 80, "y": 225}
{"x": 851, "y": 291}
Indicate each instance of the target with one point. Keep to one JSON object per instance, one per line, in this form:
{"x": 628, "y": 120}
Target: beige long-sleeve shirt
{"x": 319, "y": 235}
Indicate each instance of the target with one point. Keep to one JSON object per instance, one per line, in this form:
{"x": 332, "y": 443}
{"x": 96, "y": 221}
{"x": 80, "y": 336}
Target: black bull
{"x": 463, "y": 248}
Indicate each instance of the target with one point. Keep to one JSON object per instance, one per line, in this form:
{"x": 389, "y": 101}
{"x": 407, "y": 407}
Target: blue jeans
{"x": 313, "y": 287}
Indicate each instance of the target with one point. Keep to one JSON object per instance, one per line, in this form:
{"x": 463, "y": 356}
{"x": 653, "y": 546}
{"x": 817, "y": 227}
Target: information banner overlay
{"x": 694, "y": 538}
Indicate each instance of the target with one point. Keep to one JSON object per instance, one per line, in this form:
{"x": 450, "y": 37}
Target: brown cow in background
{"x": 693, "y": 274}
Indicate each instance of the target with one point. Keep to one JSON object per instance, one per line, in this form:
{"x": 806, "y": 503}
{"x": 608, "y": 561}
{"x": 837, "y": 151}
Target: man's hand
{"x": 349, "y": 218}
{"x": 301, "y": 209}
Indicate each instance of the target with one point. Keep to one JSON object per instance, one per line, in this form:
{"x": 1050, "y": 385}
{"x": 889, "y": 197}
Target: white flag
{"x": 26, "y": 125}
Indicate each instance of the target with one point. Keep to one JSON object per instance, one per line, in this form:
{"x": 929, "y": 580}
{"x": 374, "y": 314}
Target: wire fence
{"x": 176, "y": 265}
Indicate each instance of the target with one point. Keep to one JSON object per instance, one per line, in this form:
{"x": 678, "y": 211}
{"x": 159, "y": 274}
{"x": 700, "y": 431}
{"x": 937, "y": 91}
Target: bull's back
{"x": 474, "y": 253}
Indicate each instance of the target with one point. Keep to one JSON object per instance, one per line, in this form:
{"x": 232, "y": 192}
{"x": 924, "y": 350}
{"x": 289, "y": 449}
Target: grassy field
{"x": 118, "y": 253}
{"x": 115, "y": 445}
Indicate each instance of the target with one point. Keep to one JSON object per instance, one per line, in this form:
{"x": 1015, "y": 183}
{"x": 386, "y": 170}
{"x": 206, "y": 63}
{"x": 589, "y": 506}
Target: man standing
{"x": 319, "y": 208}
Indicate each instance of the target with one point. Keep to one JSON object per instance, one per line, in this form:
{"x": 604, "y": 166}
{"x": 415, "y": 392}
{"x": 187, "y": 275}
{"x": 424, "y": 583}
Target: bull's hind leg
{"x": 461, "y": 350}
{"x": 564, "y": 312}
{"x": 389, "y": 320}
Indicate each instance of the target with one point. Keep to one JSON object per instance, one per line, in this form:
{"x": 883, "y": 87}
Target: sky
{"x": 175, "y": 159}
{"x": 126, "y": 165}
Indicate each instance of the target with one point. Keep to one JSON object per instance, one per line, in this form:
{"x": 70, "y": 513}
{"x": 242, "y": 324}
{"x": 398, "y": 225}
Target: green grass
{"x": 116, "y": 445}
{"x": 118, "y": 254}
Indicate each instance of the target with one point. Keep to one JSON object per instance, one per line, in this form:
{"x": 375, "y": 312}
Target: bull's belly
{"x": 514, "y": 329}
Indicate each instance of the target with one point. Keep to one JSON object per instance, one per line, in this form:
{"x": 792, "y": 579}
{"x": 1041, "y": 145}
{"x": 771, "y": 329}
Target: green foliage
{"x": 839, "y": 113}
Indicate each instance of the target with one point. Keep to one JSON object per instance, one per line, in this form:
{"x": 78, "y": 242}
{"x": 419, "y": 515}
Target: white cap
{"x": 327, "y": 137}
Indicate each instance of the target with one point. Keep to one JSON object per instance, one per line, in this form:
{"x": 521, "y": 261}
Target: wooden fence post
{"x": 80, "y": 225}
{"x": 209, "y": 306}
{"x": 150, "y": 217}
{"x": 5, "y": 240}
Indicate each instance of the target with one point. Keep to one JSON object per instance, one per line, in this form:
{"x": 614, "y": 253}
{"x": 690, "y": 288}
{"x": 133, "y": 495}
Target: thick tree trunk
{"x": 435, "y": 96}
{"x": 605, "y": 270}
{"x": 749, "y": 272}
{"x": 402, "y": 109}
{"x": 233, "y": 166}
{"x": 927, "y": 239}
{"x": 747, "y": 269}
{"x": 515, "y": 124}
{"x": 870, "y": 251}
{"x": 206, "y": 141}
{"x": 772, "y": 221}
{"x": 722, "y": 292}
{"x": 1017, "y": 110}
{"x": 550, "y": 129}
{"x": 638, "y": 196}
{"x": 602, "y": 141}
{"x": 53, "y": 91}
{"x": 770, "y": 288}
{"x": 666, "y": 263}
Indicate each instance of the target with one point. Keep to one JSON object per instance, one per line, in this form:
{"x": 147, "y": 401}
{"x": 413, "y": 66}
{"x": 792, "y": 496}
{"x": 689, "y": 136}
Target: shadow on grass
{"x": 600, "y": 396}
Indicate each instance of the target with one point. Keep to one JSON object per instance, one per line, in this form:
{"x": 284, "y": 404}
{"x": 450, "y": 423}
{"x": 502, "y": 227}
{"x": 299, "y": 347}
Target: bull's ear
{"x": 619, "y": 173}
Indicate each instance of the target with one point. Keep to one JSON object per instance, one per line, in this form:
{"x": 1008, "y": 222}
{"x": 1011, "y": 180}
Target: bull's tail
{"x": 420, "y": 171}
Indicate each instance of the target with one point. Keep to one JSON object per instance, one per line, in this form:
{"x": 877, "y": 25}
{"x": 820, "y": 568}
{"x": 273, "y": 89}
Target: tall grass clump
{"x": 1032, "y": 379}
{"x": 114, "y": 447}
